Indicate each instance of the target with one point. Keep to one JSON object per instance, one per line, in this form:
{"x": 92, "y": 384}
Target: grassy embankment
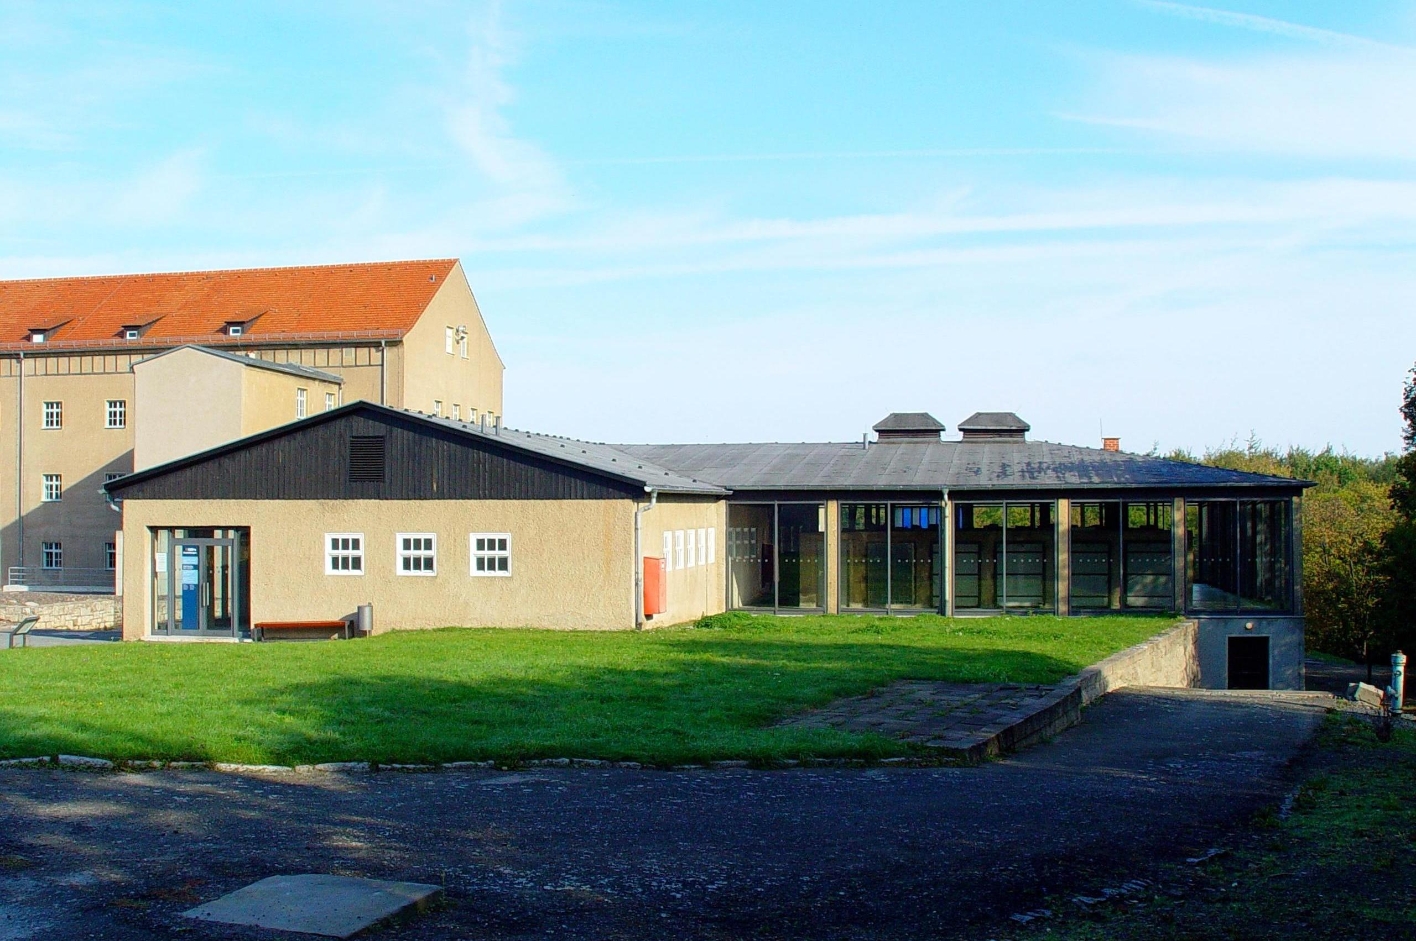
{"x": 666, "y": 696}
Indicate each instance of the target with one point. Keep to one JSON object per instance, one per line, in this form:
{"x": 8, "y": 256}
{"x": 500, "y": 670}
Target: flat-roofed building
{"x": 408, "y": 334}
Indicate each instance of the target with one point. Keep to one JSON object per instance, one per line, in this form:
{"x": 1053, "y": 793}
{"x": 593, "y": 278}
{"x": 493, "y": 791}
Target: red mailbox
{"x": 656, "y": 588}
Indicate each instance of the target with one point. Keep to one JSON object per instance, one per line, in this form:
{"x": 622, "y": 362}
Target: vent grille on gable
{"x": 366, "y": 459}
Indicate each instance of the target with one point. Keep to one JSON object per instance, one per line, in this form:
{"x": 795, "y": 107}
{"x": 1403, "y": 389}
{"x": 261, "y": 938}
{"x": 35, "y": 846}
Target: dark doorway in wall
{"x": 1248, "y": 663}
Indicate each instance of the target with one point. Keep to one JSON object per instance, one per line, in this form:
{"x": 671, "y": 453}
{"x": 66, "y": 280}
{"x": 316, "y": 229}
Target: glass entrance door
{"x": 204, "y": 596}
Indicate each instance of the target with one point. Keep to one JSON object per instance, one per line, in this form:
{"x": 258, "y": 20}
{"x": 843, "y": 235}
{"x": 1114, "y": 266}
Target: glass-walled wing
{"x": 864, "y": 550}
{"x": 1005, "y": 556}
{"x": 1122, "y": 556}
{"x": 777, "y": 556}
{"x": 751, "y": 552}
{"x": 1239, "y": 555}
{"x": 915, "y": 573}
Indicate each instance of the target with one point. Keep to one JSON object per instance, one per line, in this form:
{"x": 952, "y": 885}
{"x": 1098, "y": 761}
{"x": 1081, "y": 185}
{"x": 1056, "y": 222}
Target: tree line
{"x": 1359, "y": 538}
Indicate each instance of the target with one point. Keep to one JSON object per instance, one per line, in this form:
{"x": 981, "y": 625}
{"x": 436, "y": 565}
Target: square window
{"x": 235, "y": 330}
{"x": 110, "y": 555}
{"x": 53, "y": 557}
{"x": 344, "y": 553}
{"x": 491, "y": 554}
{"x": 53, "y": 414}
{"x": 417, "y": 554}
{"x": 53, "y": 488}
{"x": 116, "y": 414}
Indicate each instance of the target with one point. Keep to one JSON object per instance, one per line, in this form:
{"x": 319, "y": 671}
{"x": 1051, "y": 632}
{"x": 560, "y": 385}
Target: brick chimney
{"x": 1111, "y": 444}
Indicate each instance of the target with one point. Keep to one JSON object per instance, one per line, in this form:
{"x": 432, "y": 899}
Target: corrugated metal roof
{"x": 999, "y": 464}
{"x": 603, "y": 458}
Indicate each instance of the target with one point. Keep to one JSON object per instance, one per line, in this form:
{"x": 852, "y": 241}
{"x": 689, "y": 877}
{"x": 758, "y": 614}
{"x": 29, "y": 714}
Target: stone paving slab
{"x": 952, "y": 716}
{"x": 332, "y": 906}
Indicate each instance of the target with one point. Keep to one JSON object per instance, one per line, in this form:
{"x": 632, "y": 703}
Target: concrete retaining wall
{"x": 1170, "y": 659}
{"x": 93, "y": 613}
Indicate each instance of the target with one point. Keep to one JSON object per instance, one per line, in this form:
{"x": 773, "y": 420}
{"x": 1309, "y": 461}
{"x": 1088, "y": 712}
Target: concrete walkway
{"x": 43, "y": 638}
{"x": 593, "y": 853}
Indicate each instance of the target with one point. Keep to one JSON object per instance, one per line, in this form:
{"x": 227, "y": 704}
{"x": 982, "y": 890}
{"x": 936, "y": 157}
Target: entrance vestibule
{"x": 201, "y": 582}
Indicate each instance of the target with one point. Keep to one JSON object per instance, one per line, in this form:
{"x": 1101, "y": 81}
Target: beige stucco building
{"x": 75, "y": 413}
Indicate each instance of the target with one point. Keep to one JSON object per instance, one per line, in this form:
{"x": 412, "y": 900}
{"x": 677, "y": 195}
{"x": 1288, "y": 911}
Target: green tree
{"x": 1400, "y": 541}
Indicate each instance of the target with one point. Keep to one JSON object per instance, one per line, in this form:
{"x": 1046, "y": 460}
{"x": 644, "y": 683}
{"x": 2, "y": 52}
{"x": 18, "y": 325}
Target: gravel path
{"x": 604, "y": 853}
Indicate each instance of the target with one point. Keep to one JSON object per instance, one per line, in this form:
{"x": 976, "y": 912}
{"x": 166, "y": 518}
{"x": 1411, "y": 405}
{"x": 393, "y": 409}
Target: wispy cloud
{"x": 527, "y": 184}
{"x": 1265, "y": 24}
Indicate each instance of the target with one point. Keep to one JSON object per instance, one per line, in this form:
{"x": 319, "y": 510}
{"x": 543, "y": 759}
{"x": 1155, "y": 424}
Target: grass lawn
{"x": 1339, "y": 866}
{"x": 666, "y": 696}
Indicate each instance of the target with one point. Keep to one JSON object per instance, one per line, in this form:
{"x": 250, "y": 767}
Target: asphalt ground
{"x": 1148, "y": 776}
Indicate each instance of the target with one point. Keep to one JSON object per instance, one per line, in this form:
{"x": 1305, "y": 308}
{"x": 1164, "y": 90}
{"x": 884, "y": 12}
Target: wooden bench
{"x": 321, "y": 630}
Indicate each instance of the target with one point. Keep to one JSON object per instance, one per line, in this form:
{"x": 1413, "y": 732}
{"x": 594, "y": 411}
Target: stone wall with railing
{"x": 65, "y": 613}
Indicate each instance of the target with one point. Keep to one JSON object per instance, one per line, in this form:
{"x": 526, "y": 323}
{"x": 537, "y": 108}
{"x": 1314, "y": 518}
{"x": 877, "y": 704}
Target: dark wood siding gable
{"x": 421, "y": 463}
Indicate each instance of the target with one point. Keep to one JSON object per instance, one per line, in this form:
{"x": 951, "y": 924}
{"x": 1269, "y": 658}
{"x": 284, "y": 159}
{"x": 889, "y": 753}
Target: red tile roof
{"x": 378, "y": 300}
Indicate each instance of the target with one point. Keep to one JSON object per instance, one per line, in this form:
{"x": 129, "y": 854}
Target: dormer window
{"x": 131, "y": 333}
{"x": 38, "y": 336}
{"x": 235, "y": 329}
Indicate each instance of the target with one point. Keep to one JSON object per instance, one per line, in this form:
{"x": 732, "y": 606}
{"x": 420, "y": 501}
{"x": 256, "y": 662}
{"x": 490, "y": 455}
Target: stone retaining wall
{"x": 1171, "y": 659}
{"x": 85, "y": 613}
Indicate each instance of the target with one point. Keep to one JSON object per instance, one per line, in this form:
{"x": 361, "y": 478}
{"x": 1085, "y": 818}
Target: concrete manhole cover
{"x": 333, "y": 906}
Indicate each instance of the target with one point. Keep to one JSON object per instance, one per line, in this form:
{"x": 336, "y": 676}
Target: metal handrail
{"x": 35, "y": 576}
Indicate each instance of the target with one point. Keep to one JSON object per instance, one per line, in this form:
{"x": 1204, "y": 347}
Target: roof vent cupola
{"x": 908, "y": 426}
{"x": 994, "y": 426}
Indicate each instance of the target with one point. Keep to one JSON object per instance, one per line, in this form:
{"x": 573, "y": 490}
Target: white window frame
{"x": 301, "y": 403}
{"x": 462, "y": 345}
{"x": 51, "y": 488}
{"x": 449, "y": 341}
{"x": 401, "y": 555}
{"x": 115, "y": 414}
{"x": 712, "y": 545}
{"x": 456, "y": 412}
{"x": 235, "y": 330}
{"x": 51, "y": 556}
{"x": 678, "y": 549}
{"x": 333, "y": 553}
{"x": 491, "y": 556}
{"x": 703, "y": 547}
{"x": 668, "y": 551}
{"x": 110, "y": 476}
{"x": 330, "y": 402}
{"x": 110, "y": 556}
{"x": 437, "y": 408}
{"x": 132, "y": 333}
{"x": 691, "y": 548}
{"x": 53, "y": 415}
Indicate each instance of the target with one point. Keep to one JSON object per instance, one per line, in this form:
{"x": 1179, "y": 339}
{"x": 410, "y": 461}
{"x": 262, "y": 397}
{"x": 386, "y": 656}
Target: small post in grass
{"x": 1398, "y": 680}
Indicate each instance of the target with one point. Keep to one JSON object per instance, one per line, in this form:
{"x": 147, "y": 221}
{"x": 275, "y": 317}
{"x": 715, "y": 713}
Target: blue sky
{"x": 780, "y": 221}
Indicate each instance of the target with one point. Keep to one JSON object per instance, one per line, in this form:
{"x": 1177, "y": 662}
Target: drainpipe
{"x": 946, "y": 554}
{"x": 383, "y": 372}
{"x": 20, "y": 467}
{"x": 639, "y": 510}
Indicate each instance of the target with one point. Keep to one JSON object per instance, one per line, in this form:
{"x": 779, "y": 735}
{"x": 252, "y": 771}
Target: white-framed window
{"x": 678, "y": 549}
{"x": 491, "y": 553}
{"x": 450, "y": 341}
{"x": 235, "y": 330}
{"x": 53, "y": 414}
{"x": 38, "y": 336}
{"x": 53, "y": 555}
{"x": 132, "y": 333}
{"x": 437, "y": 407}
{"x": 712, "y": 545}
{"x": 668, "y": 552}
{"x": 110, "y": 555}
{"x": 116, "y": 414}
{"x": 110, "y": 476}
{"x": 703, "y": 547}
{"x": 417, "y": 553}
{"x": 691, "y": 548}
{"x": 53, "y": 490}
{"x": 300, "y": 397}
{"x": 462, "y": 344}
{"x": 330, "y": 401}
{"x": 456, "y": 412}
{"x": 344, "y": 553}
